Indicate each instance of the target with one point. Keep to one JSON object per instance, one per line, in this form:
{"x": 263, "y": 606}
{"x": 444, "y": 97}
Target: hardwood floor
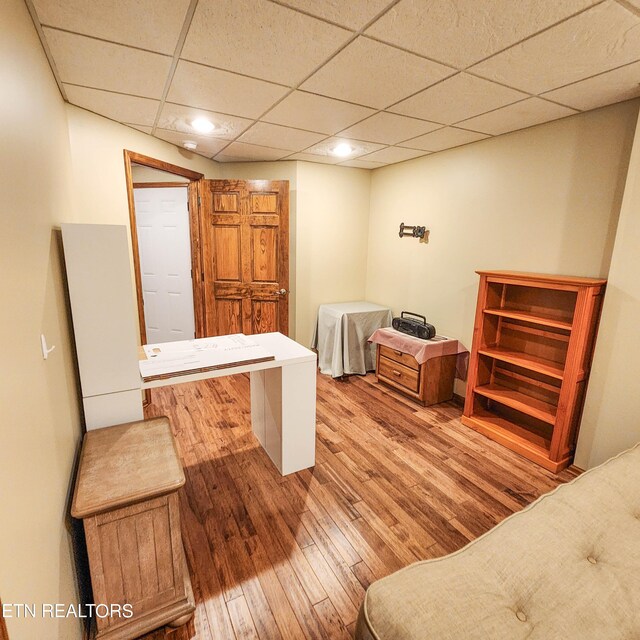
{"x": 290, "y": 557}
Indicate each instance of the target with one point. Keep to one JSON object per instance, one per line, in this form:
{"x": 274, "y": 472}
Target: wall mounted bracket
{"x": 408, "y": 231}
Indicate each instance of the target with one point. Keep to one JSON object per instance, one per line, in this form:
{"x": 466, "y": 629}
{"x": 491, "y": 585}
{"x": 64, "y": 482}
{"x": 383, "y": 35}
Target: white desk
{"x": 283, "y": 391}
{"x": 283, "y": 400}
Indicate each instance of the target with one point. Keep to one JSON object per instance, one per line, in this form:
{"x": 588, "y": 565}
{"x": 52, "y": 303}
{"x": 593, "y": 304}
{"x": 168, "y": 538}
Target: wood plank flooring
{"x": 275, "y": 557}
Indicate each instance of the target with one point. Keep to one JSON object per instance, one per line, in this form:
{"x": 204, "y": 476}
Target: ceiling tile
{"x": 444, "y": 139}
{"x": 179, "y": 118}
{"x": 394, "y": 154}
{"x": 457, "y": 98}
{"x": 466, "y": 31}
{"x": 316, "y": 113}
{"x": 147, "y": 24}
{"x": 310, "y": 157}
{"x": 363, "y": 164}
{"x": 206, "y": 88}
{"x": 607, "y": 88}
{"x": 102, "y": 65}
{"x": 389, "y": 128}
{"x": 374, "y": 74}
{"x": 359, "y": 147}
{"x": 604, "y": 37}
{"x": 117, "y": 106}
{"x": 517, "y": 116}
{"x": 274, "y": 135}
{"x": 352, "y": 15}
{"x": 206, "y": 146}
{"x": 242, "y": 152}
{"x": 261, "y": 39}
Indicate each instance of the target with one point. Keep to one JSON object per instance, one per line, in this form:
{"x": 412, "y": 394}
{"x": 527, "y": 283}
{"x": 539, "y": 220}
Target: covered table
{"x": 341, "y": 335}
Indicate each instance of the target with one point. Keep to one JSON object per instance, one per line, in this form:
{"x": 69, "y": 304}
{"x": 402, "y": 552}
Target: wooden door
{"x": 245, "y": 249}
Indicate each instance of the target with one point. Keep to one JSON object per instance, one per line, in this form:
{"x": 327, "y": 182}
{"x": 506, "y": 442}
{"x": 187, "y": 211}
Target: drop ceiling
{"x": 290, "y": 79}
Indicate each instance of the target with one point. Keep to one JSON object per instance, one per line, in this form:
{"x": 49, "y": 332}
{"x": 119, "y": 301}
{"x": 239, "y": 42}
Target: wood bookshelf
{"x": 532, "y": 348}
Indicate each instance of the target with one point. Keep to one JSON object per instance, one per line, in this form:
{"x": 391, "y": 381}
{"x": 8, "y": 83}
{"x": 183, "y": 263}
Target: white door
{"x": 164, "y": 243}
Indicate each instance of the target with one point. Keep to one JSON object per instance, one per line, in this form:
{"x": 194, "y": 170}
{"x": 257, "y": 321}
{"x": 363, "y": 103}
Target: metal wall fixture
{"x": 409, "y": 231}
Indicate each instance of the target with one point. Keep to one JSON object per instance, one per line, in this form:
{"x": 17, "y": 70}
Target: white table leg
{"x": 298, "y": 417}
{"x": 283, "y": 414}
{"x": 258, "y": 417}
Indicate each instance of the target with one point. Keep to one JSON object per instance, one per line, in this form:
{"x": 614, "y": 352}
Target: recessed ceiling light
{"x": 202, "y": 125}
{"x": 190, "y": 145}
{"x": 342, "y": 150}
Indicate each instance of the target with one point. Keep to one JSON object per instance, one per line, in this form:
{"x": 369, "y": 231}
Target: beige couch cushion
{"x": 566, "y": 567}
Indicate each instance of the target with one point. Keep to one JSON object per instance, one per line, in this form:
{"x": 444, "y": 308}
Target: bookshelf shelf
{"x": 544, "y": 411}
{"x": 526, "y": 361}
{"x": 530, "y": 317}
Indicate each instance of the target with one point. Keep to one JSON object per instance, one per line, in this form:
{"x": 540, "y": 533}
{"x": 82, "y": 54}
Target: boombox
{"x": 416, "y": 328}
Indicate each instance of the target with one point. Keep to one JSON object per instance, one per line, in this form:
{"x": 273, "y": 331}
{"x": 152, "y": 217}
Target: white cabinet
{"x": 104, "y": 322}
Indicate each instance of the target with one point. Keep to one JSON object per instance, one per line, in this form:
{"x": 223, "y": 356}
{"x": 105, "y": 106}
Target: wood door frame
{"x": 193, "y": 190}
{"x": 159, "y": 185}
{"x": 4, "y": 634}
{"x": 283, "y": 267}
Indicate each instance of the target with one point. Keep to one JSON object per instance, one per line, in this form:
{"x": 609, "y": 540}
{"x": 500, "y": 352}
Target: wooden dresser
{"x": 125, "y": 493}
{"x": 532, "y": 348}
{"x": 428, "y": 383}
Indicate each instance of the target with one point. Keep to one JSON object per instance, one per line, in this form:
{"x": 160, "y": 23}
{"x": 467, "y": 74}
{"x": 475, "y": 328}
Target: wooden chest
{"x": 125, "y": 493}
{"x": 428, "y": 383}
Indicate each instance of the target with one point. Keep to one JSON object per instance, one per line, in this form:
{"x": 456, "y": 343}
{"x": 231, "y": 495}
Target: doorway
{"x": 239, "y": 252}
{"x": 164, "y": 246}
{"x": 167, "y": 244}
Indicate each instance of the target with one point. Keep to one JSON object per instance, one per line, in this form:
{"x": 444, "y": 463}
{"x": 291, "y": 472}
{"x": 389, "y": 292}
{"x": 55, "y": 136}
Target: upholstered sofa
{"x": 566, "y": 567}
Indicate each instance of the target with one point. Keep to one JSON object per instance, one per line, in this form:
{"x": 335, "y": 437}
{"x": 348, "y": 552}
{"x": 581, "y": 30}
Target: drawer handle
{"x": 396, "y": 373}
{"x": 398, "y": 353}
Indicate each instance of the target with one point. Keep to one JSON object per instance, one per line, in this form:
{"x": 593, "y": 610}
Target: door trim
{"x": 193, "y": 187}
{"x": 159, "y": 185}
{"x": 4, "y": 634}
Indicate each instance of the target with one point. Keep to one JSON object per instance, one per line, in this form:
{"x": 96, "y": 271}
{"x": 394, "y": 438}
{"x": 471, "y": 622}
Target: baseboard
{"x": 458, "y": 399}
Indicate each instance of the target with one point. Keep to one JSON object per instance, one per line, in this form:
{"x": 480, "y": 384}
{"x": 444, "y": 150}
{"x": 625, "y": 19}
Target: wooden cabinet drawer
{"x": 399, "y": 374}
{"x": 397, "y": 356}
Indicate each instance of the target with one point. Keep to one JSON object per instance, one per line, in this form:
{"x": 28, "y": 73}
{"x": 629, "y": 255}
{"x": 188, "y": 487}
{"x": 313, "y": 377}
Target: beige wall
{"x": 332, "y": 229}
{"x": 40, "y": 413}
{"x": 282, "y": 170}
{"x": 611, "y": 419}
{"x": 59, "y": 164}
{"x": 99, "y": 188}
{"x": 544, "y": 199}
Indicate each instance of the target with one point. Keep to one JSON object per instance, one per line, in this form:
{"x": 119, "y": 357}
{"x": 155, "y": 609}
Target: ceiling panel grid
{"x": 292, "y": 79}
